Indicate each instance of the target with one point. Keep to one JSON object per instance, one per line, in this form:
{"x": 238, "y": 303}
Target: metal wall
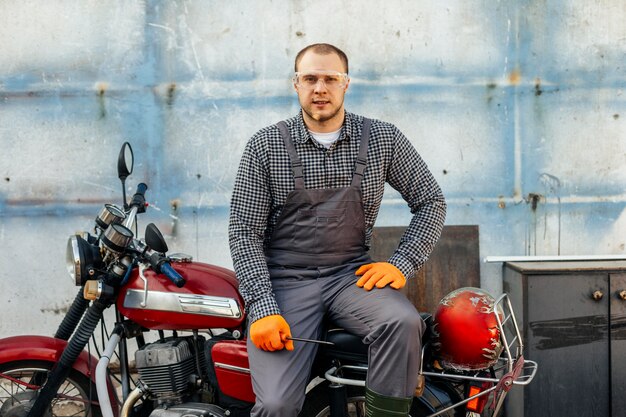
{"x": 518, "y": 107}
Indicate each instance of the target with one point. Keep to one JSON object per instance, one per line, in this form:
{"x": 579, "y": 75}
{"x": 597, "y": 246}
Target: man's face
{"x": 322, "y": 101}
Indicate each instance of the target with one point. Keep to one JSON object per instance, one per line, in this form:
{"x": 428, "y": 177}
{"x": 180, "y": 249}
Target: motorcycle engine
{"x": 171, "y": 368}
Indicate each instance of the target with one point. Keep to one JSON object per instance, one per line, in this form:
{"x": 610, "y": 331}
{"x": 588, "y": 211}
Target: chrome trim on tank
{"x": 231, "y": 367}
{"x": 180, "y": 258}
{"x": 183, "y": 303}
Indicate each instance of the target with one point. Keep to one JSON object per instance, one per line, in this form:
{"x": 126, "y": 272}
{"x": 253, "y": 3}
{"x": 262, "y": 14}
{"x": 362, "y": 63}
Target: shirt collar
{"x": 349, "y": 129}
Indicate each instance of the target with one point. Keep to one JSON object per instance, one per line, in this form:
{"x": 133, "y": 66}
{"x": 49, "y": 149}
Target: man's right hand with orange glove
{"x": 271, "y": 333}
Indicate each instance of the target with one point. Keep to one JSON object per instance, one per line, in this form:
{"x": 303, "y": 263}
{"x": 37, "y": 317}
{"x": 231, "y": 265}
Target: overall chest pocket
{"x": 320, "y": 230}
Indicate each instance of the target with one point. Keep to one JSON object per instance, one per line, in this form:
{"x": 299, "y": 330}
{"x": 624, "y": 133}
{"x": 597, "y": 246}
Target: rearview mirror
{"x": 154, "y": 239}
{"x": 125, "y": 161}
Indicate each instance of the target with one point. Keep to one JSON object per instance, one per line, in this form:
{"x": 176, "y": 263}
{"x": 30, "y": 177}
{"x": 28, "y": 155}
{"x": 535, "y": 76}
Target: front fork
{"x": 66, "y": 328}
{"x": 73, "y": 316}
{"x": 62, "y": 368}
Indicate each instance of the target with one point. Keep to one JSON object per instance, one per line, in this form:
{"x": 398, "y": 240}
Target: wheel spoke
{"x": 72, "y": 398}
{"x": 17, "y": 381}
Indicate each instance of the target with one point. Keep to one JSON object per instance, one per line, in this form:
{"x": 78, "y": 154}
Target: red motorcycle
{"x": 472, "y": 352}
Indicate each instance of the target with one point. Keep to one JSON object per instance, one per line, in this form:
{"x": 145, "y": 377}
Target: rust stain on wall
{"x": 171, "y": 89}
{"x": 515, "y": 77}
{"x": 538, "y": 90}
{"x": 534, "y": 200}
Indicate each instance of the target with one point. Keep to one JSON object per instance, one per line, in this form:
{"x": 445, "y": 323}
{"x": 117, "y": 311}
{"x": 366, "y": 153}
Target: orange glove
{"x": 380, "y": 274}
{"x": 270, "y": 333}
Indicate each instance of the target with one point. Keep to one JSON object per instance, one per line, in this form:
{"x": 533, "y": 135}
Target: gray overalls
{"x": 317, "y": 245}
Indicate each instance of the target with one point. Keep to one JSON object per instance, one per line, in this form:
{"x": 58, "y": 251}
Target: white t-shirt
{"x": 326, "y": 139}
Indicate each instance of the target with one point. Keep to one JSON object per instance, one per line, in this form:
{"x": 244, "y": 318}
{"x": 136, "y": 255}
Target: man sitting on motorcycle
{"x": 305, "y": 200}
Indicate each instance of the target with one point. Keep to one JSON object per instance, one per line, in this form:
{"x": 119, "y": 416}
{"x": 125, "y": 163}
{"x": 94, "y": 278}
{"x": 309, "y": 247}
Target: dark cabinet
{"x": 573, "y": 320}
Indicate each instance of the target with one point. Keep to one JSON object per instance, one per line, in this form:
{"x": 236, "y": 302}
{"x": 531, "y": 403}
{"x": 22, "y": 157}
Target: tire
{"x": 316, "y": 403}
{"x": 75, "y": 398}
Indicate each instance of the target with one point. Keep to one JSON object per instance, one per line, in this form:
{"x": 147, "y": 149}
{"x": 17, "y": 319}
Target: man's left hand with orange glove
{"x": 380, "y": 274}
{"x": 271, "y": 333}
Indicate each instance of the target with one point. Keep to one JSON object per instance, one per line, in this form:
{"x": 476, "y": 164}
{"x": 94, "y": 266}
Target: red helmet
{"x": 465, "y": 330}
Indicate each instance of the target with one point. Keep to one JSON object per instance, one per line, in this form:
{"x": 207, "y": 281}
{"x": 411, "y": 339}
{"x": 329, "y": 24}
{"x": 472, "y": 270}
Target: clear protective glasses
{"x": 331, "y": 79}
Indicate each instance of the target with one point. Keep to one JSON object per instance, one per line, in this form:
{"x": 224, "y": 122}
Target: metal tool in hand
{"x": 300, "y": 339}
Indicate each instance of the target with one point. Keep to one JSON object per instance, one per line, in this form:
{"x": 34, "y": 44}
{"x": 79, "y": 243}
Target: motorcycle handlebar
{"x": 175, "y": 277}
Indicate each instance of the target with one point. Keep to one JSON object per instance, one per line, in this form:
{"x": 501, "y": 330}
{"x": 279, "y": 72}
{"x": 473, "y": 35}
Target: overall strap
{"x": 361, "y": 159}
{"x": 296, "y": 164}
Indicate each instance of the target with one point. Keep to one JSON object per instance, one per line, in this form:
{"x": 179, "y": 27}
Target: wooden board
{"x": 454, "y": 263}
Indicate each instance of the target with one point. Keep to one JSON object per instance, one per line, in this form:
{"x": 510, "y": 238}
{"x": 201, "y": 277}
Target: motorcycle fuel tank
{"x": 209, "y": 299}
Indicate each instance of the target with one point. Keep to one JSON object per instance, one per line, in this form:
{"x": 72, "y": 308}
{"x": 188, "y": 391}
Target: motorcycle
{"x": 200, "y": 368}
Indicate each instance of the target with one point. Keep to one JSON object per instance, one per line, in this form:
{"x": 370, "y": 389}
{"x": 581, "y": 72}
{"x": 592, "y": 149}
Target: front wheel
{"x": 19, "y": 381}
{"x": 316, "y": 402}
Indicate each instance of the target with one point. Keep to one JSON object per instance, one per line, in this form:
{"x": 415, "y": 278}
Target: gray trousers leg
{"x": 384, "y": 318}
{"x": 389, "y": 324}
{"x": 279, "y": 379}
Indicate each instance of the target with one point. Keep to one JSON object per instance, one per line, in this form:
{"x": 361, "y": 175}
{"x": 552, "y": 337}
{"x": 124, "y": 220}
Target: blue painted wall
{"x": 509, "y": 102}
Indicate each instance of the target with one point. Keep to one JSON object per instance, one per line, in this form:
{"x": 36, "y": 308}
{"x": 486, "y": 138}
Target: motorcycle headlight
{"x": 80, "y": 259}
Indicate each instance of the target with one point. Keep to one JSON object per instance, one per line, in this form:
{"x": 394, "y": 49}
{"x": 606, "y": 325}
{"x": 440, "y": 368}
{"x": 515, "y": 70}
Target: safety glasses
{"x": 331, "y": 79}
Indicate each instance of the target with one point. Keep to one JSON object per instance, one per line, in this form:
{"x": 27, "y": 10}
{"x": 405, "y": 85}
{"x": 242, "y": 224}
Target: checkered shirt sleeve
{"x": 264, "y": 179}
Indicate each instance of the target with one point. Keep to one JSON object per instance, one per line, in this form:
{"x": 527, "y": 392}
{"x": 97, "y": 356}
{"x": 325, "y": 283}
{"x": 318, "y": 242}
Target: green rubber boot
{"x": 378, "y": 405}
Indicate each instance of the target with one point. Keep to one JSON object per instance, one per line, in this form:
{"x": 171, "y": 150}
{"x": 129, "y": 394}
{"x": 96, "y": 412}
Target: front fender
{"x": 49, "y": 349}
{"x": 19, "y": 348}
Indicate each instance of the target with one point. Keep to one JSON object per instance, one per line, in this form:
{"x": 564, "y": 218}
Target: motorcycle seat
{"x": 350, "y": 347}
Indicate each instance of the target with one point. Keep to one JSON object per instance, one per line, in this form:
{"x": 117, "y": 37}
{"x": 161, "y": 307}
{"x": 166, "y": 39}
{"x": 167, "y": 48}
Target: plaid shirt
{"x": 264, "y": 180}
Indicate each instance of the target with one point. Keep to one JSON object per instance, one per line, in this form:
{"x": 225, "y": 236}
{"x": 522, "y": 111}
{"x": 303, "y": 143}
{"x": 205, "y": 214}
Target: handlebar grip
{"x": 141, "y": 188}
{"x": 175, "y": 277}
{"x": 139, "y": 199}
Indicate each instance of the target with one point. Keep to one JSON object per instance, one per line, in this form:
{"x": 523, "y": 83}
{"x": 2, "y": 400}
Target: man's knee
{"x": 409, "y": 322}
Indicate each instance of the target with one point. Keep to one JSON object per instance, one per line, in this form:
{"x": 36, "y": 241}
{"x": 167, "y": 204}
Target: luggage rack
{"x": 511, "y": 365}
